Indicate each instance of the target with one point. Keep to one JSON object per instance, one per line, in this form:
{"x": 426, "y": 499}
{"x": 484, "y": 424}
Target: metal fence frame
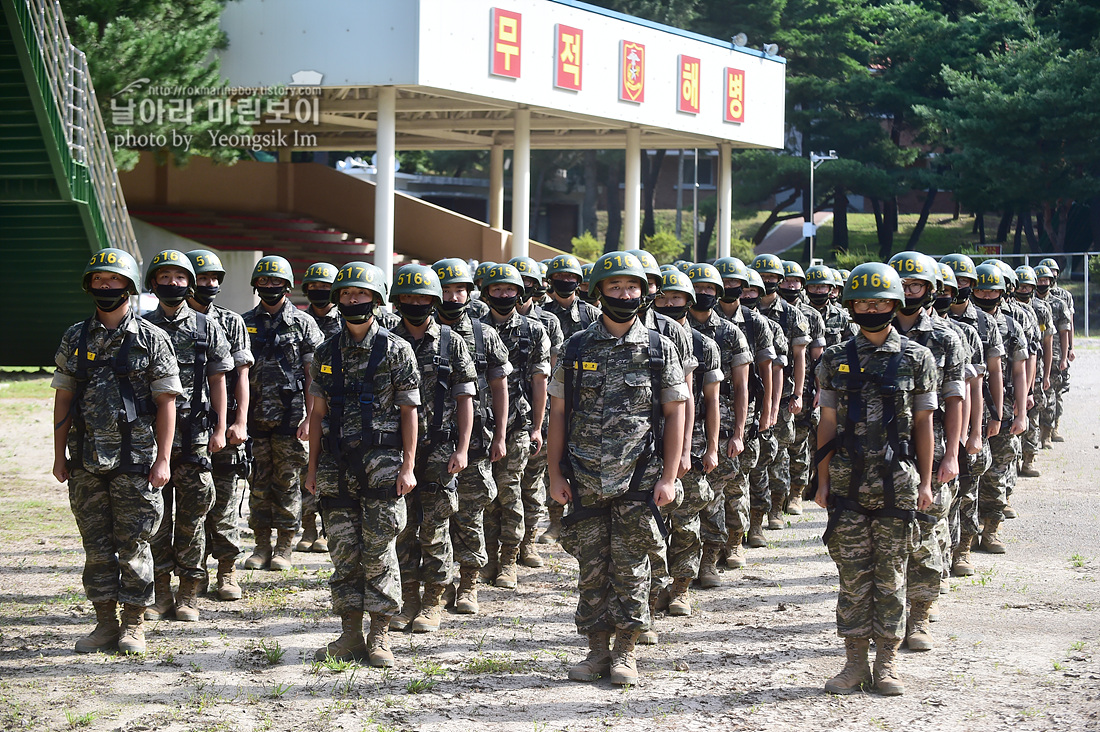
{"x": 1054, "y": 255}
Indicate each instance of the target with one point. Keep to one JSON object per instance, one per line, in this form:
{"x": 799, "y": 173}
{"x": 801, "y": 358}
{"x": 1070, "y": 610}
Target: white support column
{"x": 521, "y": 184}
{"x": 632, "y": 215}
{"x": 496, "y": 186}
{"x": 725, "y": 197}
{"x": 384, "y": 180}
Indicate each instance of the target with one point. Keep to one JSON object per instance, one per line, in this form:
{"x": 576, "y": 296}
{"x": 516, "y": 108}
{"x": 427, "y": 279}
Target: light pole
{"x": 809, "y": 228}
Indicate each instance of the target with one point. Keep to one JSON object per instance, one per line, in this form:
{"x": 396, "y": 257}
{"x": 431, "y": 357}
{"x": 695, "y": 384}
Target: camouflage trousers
{"x": 180, "y": 541}
{"x": 504, "y": 524}
{"x": 800, "y": 454}
{"x": 1029, "y": 440}
{"x": 993, "y": 485}
{"x": 362, "y": 534}
{"x": 534, "y": 493}
{"x": 964, "y": 509}
{"x": 116, "y": 518}
{"x": 612, "y": 550}
{"x": 1014, "y": 473}
{"x": 728, "y": 510}
{"x": 223, "y": 537}
{"x": 871, "y": 556}
{"x": 779, "y": 469}
{"x": 424, "y": 545}
{"x": 926, "y": 559}
{"x": 476, "y": 490}
{"x": 275, "y": 499}
{"x": 658, "y": 556}
{"x": 1051, "y": 412}
{"x": 685, "y": 541}
{"x": 760, "y": 494}
{"x": 309, "y": 501}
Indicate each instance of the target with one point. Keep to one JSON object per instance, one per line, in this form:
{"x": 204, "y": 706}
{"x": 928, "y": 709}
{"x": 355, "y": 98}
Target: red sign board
{"x": 504, "y": 38}
{"x": 567, "y": 65}
{"x": 688, "y": 100}
{"x": 632, "y": 72}
{"x": 735, "y": 95}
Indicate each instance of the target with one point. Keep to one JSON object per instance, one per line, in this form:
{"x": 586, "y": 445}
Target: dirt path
{"x": 1016, "y": 647}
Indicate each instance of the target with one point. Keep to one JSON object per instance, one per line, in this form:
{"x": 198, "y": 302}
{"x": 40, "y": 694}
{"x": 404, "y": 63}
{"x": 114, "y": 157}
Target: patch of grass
{"x": 492, "y": 665}
{"x": 278, "y": 689}
{"x": 431, "y": 668}
{"x": 419, "y": 686}
{"x": 273, "y": 651}
{"x": 1078, "y": 646}
{"x": 941, "y": 235}
{"x": 26, "y": 384}
{"x": 1077, "y": 560}
{"x": 79, "y": 720}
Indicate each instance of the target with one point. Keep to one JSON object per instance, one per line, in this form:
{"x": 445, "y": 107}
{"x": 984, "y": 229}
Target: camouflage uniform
{"x": 424, "y": 547}
{"x": 1044, "y": 318}
{"x": 1052, "y": 398}
{"x": 796, "y": 329}
{"x": 116, "y": 510}
{"x": 799, "y": 454}
{"x": 180, "y": 541}
{"x": 760, "y": 493}
{"x": 476, "y": 486}
{"x": 223, "y": 539}
{"x": 283, "y": 345}
{"x": 363, "y": 521}
{"x": 604, "y": 439}
{"x": 329, "y": 324}
{"x": 529, "y": 353}
{"x": 926, "y": 561}
{"x": 871, "y": 552}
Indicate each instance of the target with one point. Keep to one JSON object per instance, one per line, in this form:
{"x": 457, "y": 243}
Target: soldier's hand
{"x": 949, "y": 469}
{"x": 1019, "y": 426}
{"x": 497, "y": 450}
{"x": 993, "y": 429}
{"x": 60, "y": 470}
{"x": 303, "y": 430}
{"x": 406, "y": 481}
{"x": 795, "y": 406}
{"x": 1046, "y": 383}
{"x": 821, "y": 498}
{"x": 664, "y": 492}
{"x": 684, "y": 466}
{"x": 735, "y": 447}
{"x": 536, "y": 438}
{"x": 974, "y": 443}
{"x": 1063, "y": 365}
{"x": 217, "y": 442}
{"x": 710, "y": 460}
{"x": 1072, "y": 356}
{"x": 310, "y": 483}
{"x": 924, "y": 497}
{"x": 236, "y": 434}
{"x": 560, "y": 491}
{"x": 457, "y": 463}
{"x": 160, "y": 474}
{"x": 1030, "y": 402}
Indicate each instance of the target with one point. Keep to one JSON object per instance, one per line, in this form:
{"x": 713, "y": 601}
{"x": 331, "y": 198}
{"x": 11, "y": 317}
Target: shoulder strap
{"x": 442, "y": 385}
{"x": 697, "y": 381}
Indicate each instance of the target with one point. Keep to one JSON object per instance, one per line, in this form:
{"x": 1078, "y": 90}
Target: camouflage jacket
{"x": 733, "y": 351}
{"x": 950, "y": 358}
{"x": 462, "y": 379}
{"x": 329, "y": 324}
{"x": 529, "y": 353}
{"x": 795, "y": 329}
{"x": 283, "y": 344}
{"x": 708, "y": 371}
{"x": 151, "y": 370}
{"x": 573, "y": 318}
{"x": 676, "y": 333}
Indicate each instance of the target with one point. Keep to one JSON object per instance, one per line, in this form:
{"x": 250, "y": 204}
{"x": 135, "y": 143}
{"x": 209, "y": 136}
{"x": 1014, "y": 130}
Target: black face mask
{"x": 1042, "y": 289}
{"x": 591, "y": 297}
{"x": 962, "y": 295}
{"x": 750, "y": 302}
{"x": 415, "y": 314}
{"x": 676, "y": 312}
{"x": 110, "y": 299}
{"x": 171, "y": 295}
{"x": 873, "y": 322}
{"x": 732, "y": 294}
{"x": 620, "y": 311}
{"x": 452, "y": 310}
{"x": 205, "y": 294}
{"x": 943, "y": 303}
{"x": 703, "y": 303}
{"x": 564, "y": 288}
{"x": 788, "y": 294}
{"x": 500, "y": 305}
{"x": 987, "y": 305}
{"x": 818, "y": 299}
{"x": 1024, "y": 296}
{"x": 770, "y": 287}
{"x": 318, "y": 298}
{"x": 271, "y": 295}
{"x": 358, "y": 313}
{"x": 913, "y": 304}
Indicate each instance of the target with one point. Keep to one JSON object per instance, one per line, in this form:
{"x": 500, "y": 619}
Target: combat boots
{"x": 1054, "y": 436}
{"x": 918, "y": 634}
{"x": 991, "y": 543}
{"x": 309, "y": 533}
{"x": 187, "y": 600}
{"x": 550, "y": 536}
{"x": 131, "y": 635}
{"x": 756, "y": 538}
{"x": 105, "y": 635}
{"x": 678, "y": 604}
{"x": 280, "y": 559}
{"x": 466, "y": 602}
{"x": 794, "y": 500}
{"x": 856, "y": 673}
{"x": 228, "y": 589}
{"x": 320, "y": 545}
{"x": 960, "y": 557}
{"x": 410, "y": 606}
{"x": 1008, "y": 511}
{"x": 163, "y": 603}
{"x": 431, "y": 610}
{"x": 1028, "y": 469}
{"x": 1044, "y": 438}
{"x": 624, "y": 667}
{"x": 775, "y": 515}
{"x": 528, "y": 552}
{"x": 507, "y": 575}
{"x": 735, "y": 553}
{"x": 350, "y": 646}
{"x": 708, "y": 567}
{"x": 649, "y": 637}
{"x": 261, "y": 555}
{"x": 885, "y": 674}
{"x": 379, "y": 654}
{"x": 598, "y": 661}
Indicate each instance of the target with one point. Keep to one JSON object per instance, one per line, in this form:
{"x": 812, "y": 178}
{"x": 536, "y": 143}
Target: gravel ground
{"x": 1016, "y": 646}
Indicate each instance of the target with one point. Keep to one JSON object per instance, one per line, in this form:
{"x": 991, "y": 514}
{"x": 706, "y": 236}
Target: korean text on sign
{"x": 505, "y": 37}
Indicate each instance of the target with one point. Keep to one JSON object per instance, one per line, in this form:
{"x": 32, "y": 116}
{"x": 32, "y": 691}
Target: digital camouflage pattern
{"x": 504, "y": 519}
{"x": 573, "y": 319}
{"x": 534, "y": 480}
{"x": 179, "y": 543}
{"x": 328, "y": 323}
{"x": 529, "y": 354}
